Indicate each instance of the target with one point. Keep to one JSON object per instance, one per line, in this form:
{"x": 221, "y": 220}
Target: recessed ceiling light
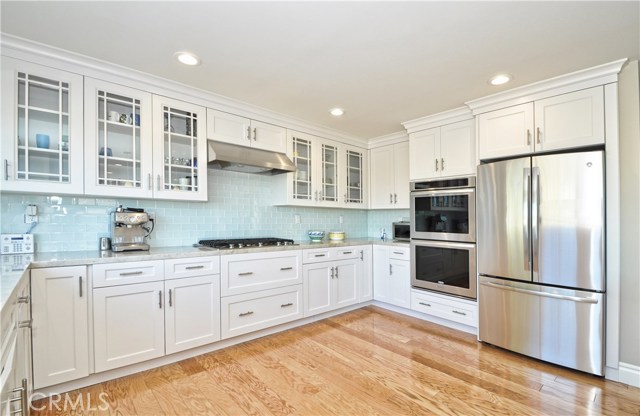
{"x": 500, "y": 79}
{"x": 336, "y": 112}
{"x": 187, "y": 58}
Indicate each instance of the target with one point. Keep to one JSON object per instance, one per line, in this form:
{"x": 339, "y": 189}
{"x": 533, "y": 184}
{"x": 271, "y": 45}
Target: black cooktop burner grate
{"x": 246, "y": 242}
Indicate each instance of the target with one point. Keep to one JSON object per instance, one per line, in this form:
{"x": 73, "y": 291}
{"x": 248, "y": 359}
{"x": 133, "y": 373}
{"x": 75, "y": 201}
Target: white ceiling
{"x": 384, "y": 62}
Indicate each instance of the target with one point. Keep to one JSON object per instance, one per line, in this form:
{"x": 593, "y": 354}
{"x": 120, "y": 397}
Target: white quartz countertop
{"x": 15, "y": 267}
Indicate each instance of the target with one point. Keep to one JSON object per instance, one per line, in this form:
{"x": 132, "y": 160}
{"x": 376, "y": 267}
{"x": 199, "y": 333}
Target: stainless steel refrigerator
{"x": 541, "y": 257}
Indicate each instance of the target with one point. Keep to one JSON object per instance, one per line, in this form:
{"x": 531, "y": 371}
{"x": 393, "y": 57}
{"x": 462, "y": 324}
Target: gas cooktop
{"x": 246, "y": 242}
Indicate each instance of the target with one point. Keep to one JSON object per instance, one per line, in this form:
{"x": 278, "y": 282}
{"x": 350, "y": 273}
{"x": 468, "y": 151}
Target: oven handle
{"x": 442, "y": 192}
{"x": 442, "y": 244}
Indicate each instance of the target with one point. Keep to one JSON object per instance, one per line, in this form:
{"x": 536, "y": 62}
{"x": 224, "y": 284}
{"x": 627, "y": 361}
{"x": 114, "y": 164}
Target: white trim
{"x": 437, "y": 120}
{"x": 585, "y": 78}
{"x": 393, "y": 138}
{"x": 629, "y": 374}
{"x": 80, "y": 64}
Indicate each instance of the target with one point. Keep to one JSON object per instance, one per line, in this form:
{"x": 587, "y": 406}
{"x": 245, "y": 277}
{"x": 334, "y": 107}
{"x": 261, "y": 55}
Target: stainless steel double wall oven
{"x": 443, "y": 235}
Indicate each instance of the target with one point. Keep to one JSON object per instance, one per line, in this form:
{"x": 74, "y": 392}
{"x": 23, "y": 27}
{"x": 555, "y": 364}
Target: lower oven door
{"x": 444, "y": 267}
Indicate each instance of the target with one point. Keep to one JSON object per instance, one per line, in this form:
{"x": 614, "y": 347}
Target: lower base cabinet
{"x": 446, "y": 307}
{"x": 392, "y": 275}
{"x": 60, "y": 330}
{"x": 330, "y": 285}
{"x": 248, "y": 312}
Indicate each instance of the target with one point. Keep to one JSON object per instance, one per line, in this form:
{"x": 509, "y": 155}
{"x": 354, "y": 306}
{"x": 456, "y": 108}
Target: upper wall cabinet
{"x": 565, "y": 121}
{"x": 242, "y": 131}
{"x": 328, "y": 174}
{"x": 390, "y": 176}
{"x": 41, "y": 129}
{"x": 443, "y": 151}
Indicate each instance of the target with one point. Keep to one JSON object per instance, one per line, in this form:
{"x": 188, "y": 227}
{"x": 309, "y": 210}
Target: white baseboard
{"x": 629, "y": 374}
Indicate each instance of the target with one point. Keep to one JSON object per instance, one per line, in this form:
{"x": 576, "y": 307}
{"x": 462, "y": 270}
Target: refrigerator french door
{"x": 541, "y": 257}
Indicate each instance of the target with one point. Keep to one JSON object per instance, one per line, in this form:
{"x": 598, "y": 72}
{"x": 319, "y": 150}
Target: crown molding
{"x": 585, "y": 78}
{"x": 387, "y": 139}
{"x": 47, "y": 55}
{"x": 438, "y": 119}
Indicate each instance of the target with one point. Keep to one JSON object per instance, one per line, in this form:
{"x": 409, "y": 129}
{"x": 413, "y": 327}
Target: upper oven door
{"x": 447, "y": 215}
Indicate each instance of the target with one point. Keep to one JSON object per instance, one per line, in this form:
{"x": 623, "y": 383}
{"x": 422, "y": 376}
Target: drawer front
{"x": 399, "y": 253}
{"x": 449, "y": 309}
{"x": 114, "y": 274}
{"x": 191, "y": 267}
{"x": 343, "y": 253}
{"x": 248, "y": 273}
{"x": 250, "y": 312}
{"x": 317, "y": 255}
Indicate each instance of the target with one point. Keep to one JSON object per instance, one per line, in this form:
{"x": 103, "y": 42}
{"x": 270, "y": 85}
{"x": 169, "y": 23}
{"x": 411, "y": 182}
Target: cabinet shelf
{"x": 119, "y": 124}
{"x": 42, "y": 151}
{"x": 42, "y": 110}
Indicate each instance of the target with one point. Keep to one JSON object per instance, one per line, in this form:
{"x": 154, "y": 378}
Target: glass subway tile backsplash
{"x": 239, "y": 206}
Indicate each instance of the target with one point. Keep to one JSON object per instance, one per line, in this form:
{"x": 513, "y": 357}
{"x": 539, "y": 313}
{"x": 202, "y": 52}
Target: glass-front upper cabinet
{"x": 180, "y": 150}
{"x": 329, "y": 179}
{"x": 41, "y": 129}
{"x": 355, "y": 177}
{"x": 118, "y": 145}
{"x": 302, "y": 178}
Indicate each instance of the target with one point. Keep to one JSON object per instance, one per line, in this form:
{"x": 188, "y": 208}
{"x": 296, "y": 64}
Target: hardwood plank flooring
{"x": 366, "y": 362}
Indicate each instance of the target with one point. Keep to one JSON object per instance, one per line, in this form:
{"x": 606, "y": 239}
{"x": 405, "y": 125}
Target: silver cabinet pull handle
{"x": 390, "y": 270}
{"x": 424, "y": 304}
{"x": 23, "y": 299}
{"x": 194, "y": 267}
{"x": 286, "y": 268}
{"x": 25, "y": 324}
{"x": 245, "y": 274}
{"x": 528, "y": 137}
{"x": 284, "y": 305}
{"x": 136, "y": 273}
{"x": 347, "y": 252}
{"x": 345, "y": 198}
{"x": 249, "y": 133}
{"x": 170, "y": 303}
{"x": 332, "y": 275}
{"x": 398, "y": 252}
{"x": 319, "y": 255}
{"x": 159, "y": 183}
{"x": 337, "y": 269}
{"x": 391, "y": 198}
{"x": 538, "y": 133}
{"x": 246, "y": 313}
{"x": 436, "y": 165}
{"x": 6, "y": 170}
{"x": 80, "y": 285}
{"x": 150, "y": 182}
{"x": 255, "y": 134}
{"x": 458, "y": 312}
{"x": 395, "y": 198}
{"x": 160, "y": 299}
{"x": 441, "y": 164}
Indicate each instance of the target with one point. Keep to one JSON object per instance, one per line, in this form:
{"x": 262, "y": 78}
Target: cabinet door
{"x": 380, "y": 266}
{"x": 424, "y": 157}
{"x": 354, "y": 178}
{"x": 60, "y": 325}
{"x": 457, "y": 149}
{"x": 268, "y": 137}
{"x": 570, "y": 120}
{"x": 345, "y": 283}
{"x": 506, "y": 132}
{"x": 128, "y": 324}
{"x": 192, "y": 315}
{"x": 365, "y": 282}
{"x": 399, "y": 283}
{"x": 381, "y": 176}
{"x": 301, "y": 181}
{"x": 401, "y": 175}
{"x": 179, "y": 144}
{"x": 328, "y": 174}
{"x": 118, "y": 141}
{"x": 228, "y": 128}
{"x": 41, "y": 129}
{"x": 317, "y": 287}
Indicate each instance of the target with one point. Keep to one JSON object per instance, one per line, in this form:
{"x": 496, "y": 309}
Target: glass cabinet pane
{"x": 119, "y": 152}
{"x": 42, "y": 129}
{"x": 329, "y": 186}
{"x": 302, "y": 177}
{"x": 354, "y": 177}
{"x": 180, "y": 150}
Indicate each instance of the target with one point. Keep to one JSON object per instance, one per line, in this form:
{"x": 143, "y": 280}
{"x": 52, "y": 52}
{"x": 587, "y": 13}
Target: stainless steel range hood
{"x": 227, "y": 156}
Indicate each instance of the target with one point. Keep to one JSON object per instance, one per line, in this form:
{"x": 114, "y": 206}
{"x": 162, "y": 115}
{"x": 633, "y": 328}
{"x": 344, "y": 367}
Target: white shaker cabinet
{"x": 42, "y": 140}
{"x": 389, "y": 173}
{"x": 565, "y": 121}
{"x": 445, "y": 151}
{"x": 392, "y": 275}
{"x": 60, "y": 325}
{"x": 365, "y": 282}
{"x": 230, "y": 128}
{"x": 330, "y": 285}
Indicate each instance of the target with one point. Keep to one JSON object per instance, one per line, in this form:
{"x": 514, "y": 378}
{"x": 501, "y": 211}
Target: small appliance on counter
{"x": 401, "y": 231}
{"x": 128, "y": 230}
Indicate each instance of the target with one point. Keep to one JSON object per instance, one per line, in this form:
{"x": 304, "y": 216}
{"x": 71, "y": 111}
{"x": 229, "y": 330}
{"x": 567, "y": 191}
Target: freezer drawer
{"x": 561, "y": 326}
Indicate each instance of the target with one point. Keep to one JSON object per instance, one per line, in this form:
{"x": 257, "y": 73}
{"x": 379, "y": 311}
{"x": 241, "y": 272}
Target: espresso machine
{"x": 128, "y": 230}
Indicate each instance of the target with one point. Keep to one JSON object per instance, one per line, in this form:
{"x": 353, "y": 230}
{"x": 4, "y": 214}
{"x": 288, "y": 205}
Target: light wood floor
{"x": 366, "y": 362}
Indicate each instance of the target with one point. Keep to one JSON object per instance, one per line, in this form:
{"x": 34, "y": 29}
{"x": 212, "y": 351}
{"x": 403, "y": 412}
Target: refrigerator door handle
{"x": 535, "y": 205}
{"x": 542, "y": 294}
{"x": 526, "y": 242}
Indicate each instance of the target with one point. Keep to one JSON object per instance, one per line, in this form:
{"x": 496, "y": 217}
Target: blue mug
{"x": 42, "y": 141}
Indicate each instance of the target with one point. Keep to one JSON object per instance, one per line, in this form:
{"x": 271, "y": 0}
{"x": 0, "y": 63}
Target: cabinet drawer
{"x": 342, "y": 253}
{"x": 317, "y": 255}
{"x": 400, "y": 253}
{"x": 253, "y": 311}
{"x": 113, "y": 274}
{"x": 450, "y": 309}
{"x": 243, "y": 273}
{"x": 190, "y": 267}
